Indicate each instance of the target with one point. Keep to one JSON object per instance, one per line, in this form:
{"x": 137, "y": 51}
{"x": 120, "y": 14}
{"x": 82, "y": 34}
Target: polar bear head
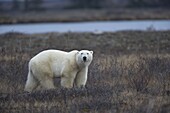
{"x": 84, "y": 57}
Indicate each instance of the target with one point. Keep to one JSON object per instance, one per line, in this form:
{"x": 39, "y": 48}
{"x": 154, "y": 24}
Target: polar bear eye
{"x": 81, "y": 53}
{"x": 87, "y": 53}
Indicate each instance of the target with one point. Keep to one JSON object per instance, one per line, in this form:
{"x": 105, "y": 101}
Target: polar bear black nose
{"x": 84, "y": 58}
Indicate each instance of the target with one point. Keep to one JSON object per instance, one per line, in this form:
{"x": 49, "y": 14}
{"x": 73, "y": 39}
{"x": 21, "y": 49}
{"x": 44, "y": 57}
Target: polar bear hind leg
{"x": 31, "y": 83}
{"x": 43, "y": 81}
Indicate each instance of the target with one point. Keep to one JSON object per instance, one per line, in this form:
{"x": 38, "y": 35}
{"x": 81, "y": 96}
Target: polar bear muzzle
{"x": 84, "y": 58}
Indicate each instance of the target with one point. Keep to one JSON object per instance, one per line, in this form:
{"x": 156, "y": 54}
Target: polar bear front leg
{"x": 47, "y": 83}
{"x": 46, "y": 80}
{"x": 67, "y": 80}
{"x": 81, "y": 77}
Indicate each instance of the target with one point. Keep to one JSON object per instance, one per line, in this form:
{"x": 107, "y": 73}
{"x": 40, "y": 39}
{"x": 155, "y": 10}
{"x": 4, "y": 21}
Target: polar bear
{"x": 72, "y": 67}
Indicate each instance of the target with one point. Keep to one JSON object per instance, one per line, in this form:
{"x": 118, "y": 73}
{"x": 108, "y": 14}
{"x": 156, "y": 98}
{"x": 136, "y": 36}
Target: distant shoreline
{"x": 84, "y": 15}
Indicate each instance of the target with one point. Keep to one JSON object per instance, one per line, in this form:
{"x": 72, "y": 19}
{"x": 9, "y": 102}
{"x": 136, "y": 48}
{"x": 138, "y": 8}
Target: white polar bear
{"x": 70, "y": 66}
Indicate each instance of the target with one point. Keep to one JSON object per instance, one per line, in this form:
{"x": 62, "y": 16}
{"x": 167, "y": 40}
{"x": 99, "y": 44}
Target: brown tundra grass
{"x": 121, "y": 79}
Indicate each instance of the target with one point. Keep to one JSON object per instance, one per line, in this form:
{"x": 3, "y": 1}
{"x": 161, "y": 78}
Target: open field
{"x": 130, "y": 73}
{"x": 84, "y": 15}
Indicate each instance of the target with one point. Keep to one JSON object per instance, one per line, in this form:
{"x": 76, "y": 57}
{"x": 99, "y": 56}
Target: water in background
{"x": 95, "y": 27}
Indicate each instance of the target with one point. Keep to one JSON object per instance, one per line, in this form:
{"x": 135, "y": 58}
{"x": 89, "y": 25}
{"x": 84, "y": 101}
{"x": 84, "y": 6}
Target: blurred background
{"x": 51, "y": 11}
{"x": 24, "y": 11}
{"x": 41, "y": 5}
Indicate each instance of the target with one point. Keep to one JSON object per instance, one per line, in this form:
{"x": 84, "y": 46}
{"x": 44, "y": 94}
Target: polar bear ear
{"x": 91, "y": 52}
{"x": 77, "y": 53}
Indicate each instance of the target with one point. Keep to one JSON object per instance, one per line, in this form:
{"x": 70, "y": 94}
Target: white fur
{"x": 70, "y": 66}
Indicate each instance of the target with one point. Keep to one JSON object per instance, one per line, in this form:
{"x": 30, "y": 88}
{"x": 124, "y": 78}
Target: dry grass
{"x": 120, "y": 79}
